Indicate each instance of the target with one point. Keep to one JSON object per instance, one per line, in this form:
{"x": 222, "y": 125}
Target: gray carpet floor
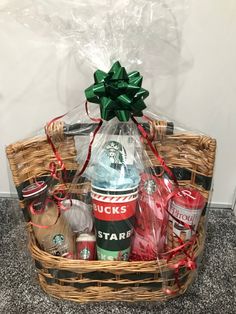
{"x": 212, "y": 292}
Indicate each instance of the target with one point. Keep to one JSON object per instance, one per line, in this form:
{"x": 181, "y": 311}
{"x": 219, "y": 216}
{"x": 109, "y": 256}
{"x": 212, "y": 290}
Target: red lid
{"x": 34, "y": 188}
{"x": 189, "y": 198}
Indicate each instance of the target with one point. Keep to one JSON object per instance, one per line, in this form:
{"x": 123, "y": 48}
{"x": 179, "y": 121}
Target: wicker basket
{"x": 190, "y": 156}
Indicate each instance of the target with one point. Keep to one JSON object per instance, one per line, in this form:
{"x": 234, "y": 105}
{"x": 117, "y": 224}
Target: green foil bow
{"x": 118, "y": 93}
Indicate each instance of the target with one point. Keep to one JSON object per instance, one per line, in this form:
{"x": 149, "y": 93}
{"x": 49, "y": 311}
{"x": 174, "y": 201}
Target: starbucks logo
{"x": 116, "y": 152}
{"x": 125, "y": 257}
{"x": 85, "y": 254}
{"x": 122, "y": 256}
{"x": 58, "y": 239}
{"x": 150, "y": 186}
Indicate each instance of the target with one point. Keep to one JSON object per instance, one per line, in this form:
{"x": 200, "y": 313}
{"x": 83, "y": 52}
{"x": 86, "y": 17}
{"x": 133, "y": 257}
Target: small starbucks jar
{"x": 86, "y": 243}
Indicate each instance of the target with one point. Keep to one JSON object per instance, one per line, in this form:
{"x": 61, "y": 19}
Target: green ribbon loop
{"x": 119, "y": 94}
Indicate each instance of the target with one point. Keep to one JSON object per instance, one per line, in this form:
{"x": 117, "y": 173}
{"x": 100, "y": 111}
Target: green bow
{"x": 118, "y": 93}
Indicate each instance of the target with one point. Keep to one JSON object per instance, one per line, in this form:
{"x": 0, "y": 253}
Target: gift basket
{"x": 114, "y": 196}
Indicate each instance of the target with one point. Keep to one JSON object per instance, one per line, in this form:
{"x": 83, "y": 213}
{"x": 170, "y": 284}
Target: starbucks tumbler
{"x": 114, "y": 212}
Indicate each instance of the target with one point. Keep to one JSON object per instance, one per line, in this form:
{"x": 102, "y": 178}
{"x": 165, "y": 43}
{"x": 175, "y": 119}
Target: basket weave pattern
{"x": 190, "y": 156}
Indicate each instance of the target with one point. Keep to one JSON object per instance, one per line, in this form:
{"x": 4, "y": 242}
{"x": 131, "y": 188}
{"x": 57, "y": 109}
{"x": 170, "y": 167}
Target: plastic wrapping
{"x": 114, "y": 169}
{"x": 85, "y": 35}
{"x": 101, "y": 32}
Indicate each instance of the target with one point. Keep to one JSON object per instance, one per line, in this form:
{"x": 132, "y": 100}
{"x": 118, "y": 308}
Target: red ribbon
{"x": 33, "y": 212}
{"x": 161, "y": 160}
{"x": 52, "y": 165}
{"x": 91, "y": 141}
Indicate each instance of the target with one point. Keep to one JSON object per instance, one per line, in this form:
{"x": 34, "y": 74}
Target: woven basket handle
{"x": 158, "y": 129}
{"x": 56, "y": 131}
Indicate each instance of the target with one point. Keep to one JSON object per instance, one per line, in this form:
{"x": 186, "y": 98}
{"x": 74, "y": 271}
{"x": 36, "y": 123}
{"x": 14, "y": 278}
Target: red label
{"x": 110, "y": 211}
{"x": 86, "y": 250}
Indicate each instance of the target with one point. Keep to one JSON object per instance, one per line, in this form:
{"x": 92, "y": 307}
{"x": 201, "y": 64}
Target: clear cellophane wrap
{"x": 139, "y": 210}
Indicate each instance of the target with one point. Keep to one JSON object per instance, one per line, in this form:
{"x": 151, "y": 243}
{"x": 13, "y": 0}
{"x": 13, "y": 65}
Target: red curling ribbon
{"x": 191, "y": 264}
{"x": 53, "y": 170}
{"x": 58, "y": 198}
{"x": 171, "y": 253}
{"x": 161, "y": 160}
{"x": 91, "y": 141}
{"x": 62, "y": 207}
{"x": 55, "y": 151}
{"x": 171, "y": 292}
{"x": 33, "y": 212}
{"x": 188, "y": 262}
{"x": 31, "y": 208}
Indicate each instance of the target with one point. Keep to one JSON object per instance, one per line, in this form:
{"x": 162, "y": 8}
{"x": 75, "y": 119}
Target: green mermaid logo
{"x": 116, "y": 152}
{"x": 150, "y": 186}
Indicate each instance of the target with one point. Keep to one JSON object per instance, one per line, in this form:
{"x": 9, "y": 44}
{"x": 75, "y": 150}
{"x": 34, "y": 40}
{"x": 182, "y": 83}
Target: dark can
{"x": 86, "y": 243}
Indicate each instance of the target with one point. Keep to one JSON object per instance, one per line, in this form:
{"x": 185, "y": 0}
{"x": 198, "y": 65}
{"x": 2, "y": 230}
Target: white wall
{"x": 208, "y": 97}
{"x": 36, "y": 85}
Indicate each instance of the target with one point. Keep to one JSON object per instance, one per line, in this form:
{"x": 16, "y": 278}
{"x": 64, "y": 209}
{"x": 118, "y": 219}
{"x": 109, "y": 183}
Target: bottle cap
{"x": 34, "y": 189}
{"x": 86, "y": 237}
